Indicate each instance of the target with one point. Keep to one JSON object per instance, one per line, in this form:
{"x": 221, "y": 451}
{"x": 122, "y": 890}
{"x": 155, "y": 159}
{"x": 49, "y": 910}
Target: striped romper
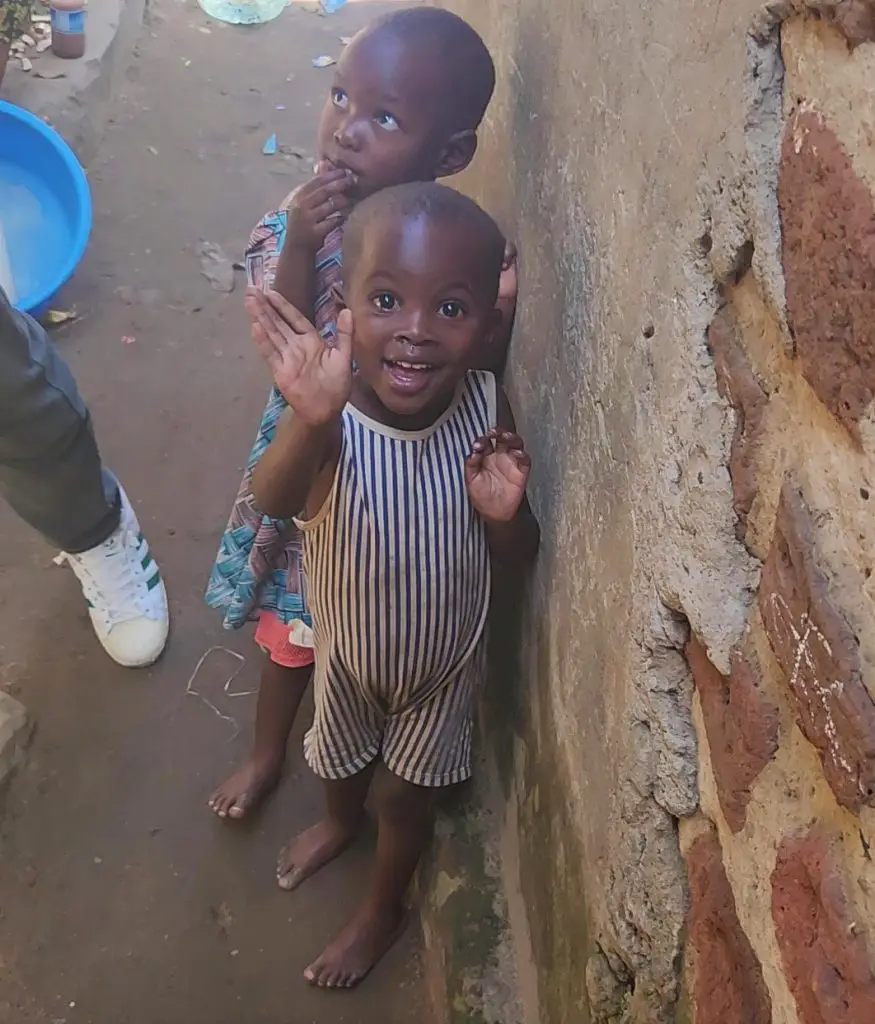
{"x": 398, "y": 574}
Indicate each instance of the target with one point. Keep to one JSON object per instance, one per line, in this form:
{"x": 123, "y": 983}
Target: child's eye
{"x": 452, "y": 309}
{"x": 339, "y": 98}
{"x": 385, "y": 302}
{"x": 387, "y": 121}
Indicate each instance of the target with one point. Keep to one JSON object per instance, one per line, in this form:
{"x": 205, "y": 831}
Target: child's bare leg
{"x": 279, "y": 697}
{"x": 314, "y": 848}
{"x": 405, "y": 813}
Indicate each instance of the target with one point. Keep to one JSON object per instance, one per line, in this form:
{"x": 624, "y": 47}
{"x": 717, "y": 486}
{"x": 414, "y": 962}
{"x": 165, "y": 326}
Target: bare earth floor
{"x": 122, "y": 899}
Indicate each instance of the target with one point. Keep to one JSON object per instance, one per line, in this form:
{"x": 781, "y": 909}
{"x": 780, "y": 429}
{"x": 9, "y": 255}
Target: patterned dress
{"x": 258, "y": 572}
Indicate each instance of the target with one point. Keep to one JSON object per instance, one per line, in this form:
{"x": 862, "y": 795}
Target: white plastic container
{"x": 244, "y": 12}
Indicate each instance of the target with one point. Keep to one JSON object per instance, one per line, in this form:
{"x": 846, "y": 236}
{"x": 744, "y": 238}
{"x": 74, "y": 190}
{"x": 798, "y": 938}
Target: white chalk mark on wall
{"x": 804, "y": 679}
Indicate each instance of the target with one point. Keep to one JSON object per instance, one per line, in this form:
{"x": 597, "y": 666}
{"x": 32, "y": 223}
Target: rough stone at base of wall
{"x": 728, "y": 986}
{"x": 15, "y": 731}
{"x": 822, "y": 941}
{"x": 468, "y": 958}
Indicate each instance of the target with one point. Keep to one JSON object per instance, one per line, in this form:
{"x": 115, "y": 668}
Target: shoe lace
{"x": 112, "y": 578}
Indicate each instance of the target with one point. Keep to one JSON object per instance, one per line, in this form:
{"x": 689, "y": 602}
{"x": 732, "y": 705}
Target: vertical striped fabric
{"x": 398, "y": 572}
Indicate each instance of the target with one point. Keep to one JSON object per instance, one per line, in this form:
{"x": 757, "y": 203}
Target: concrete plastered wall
{"x": 689, "y": 736}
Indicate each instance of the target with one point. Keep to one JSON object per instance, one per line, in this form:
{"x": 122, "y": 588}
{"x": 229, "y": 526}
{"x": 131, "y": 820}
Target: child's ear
{"x": 457, "y": 153}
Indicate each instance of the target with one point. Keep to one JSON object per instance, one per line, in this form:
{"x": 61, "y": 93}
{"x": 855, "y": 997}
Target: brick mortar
{"x": 799, "y": 435}
{"x": 629, "y": 800}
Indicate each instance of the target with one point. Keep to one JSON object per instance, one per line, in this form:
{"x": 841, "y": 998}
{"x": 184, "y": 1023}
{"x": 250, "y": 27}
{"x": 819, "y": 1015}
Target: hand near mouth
{"x": 319, "y": 206}
{"x": 314, "y": 377}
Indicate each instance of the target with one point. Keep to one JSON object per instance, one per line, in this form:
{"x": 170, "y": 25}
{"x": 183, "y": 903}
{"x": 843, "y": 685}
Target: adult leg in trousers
{"x": 52, "y": 476}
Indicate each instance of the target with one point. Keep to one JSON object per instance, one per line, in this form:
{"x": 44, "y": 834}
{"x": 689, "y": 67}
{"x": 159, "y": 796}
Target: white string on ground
{"x": 226, "y": 689}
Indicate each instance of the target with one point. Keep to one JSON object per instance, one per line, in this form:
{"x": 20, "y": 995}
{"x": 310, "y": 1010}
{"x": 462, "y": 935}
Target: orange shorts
{"x": 272, "y": 636}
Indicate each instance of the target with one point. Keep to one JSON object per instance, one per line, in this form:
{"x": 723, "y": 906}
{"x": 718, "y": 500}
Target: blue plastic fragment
{"x": 269, "y": 148}
{"x": 332, "y": 6}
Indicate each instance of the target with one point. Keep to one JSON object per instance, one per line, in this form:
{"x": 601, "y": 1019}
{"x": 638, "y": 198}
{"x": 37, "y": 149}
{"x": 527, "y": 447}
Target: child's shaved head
{"x": 477, "y": 233}
{"x": 421, "y": 268}
{"x": 468, "y": 70}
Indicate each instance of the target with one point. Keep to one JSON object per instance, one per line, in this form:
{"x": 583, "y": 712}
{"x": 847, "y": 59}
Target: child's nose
{"x": 347, "y": 136}
{"x": 415, "y": 328}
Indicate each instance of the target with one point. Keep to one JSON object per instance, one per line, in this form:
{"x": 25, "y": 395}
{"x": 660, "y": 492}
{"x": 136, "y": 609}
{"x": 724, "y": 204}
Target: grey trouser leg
{"x": 50, "y": 469}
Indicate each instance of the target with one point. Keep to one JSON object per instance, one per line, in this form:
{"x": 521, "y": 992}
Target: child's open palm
{"x": 314, "y": 376}
{"x": 496, "y": 474}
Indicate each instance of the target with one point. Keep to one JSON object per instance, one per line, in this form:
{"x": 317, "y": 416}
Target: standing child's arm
{"x": 316, "y": 208}
{"x": 315, "y": 379}
{"x": 496, "y": 474}
{"x": 494, "y": 354}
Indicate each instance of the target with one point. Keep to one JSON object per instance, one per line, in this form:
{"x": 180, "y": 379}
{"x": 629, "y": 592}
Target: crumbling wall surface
{"x": 688, "y": 752}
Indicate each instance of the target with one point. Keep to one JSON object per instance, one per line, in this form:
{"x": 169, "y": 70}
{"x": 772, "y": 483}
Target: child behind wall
{"x": 440, "y": 77}
{"x": 371, "y": 461}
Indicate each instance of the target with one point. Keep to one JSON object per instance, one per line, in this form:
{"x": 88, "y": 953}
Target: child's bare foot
{"x": 351, "y": 956}
{"x": 237, "y": 796}
{"x": 311, "y": 850}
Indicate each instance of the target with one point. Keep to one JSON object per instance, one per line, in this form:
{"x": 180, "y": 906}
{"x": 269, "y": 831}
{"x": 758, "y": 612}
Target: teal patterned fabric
{"x": 260, "y": 561}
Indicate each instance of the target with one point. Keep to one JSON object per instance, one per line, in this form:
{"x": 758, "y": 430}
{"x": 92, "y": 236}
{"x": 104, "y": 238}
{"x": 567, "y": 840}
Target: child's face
{"x": 422, "y": 304}
{"x": 383, "y": 115}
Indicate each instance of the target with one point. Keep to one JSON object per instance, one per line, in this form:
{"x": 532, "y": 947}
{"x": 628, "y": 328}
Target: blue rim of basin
{"x": 37, "y": 302}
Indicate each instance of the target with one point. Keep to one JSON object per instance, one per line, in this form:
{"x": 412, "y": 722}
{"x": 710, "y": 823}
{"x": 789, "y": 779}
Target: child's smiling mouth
{"x": 409, "y": 377}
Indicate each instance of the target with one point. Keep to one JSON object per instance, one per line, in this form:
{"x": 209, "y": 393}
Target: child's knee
{"x": 401, "y": 803}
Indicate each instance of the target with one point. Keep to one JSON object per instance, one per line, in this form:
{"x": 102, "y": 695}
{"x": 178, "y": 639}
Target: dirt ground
{"x": 122, "y": 899}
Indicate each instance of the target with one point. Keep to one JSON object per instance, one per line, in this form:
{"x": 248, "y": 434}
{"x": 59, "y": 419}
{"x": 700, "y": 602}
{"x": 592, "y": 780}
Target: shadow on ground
{"x": 122, "y": 899}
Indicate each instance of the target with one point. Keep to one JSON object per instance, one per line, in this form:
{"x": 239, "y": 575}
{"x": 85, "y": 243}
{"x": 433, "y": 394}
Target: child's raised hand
{"x": 317, "y": 207}
{"x": 313, "y": 376}
{"x": 496, "y": 474}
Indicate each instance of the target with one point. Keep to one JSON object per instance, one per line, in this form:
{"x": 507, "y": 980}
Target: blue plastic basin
{"x": 45, "y": 207}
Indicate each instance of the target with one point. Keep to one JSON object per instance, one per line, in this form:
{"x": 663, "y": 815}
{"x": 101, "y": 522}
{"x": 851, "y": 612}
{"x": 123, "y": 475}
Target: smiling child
{"x": 408, "y": 97}
{"x": 407, "y": 477}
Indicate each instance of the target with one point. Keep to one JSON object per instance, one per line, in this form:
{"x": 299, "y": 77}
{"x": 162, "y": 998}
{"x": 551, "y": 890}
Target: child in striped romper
{"x": 406, "y": 101}
{"x": 406, "y": 477}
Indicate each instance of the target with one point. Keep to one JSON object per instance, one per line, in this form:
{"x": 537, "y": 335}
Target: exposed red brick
{"x": 855, "y": 19}
{"x": 741, "y": 724}
{"x": 828, "y": 223}
{"x": 728, "y": 985}
{"x": 821, "y": 941}
{"x": 736, "y": 382}
{"x": 819, "y": 655}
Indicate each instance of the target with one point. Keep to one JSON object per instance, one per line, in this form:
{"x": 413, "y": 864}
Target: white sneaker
{"x": 126, "y": 598}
